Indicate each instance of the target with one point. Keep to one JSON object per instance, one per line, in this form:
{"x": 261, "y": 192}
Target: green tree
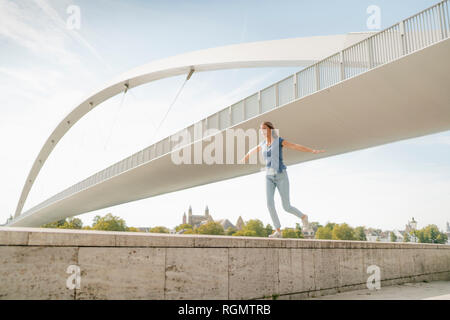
{"x": 230, "y": 231}
{"x": 183, "y": 226}
{"x": 289, "y": 233}
{"x": 421, "y": 236}
{"x": 109, "y": 222}
{"x": 56, "y": 224}
{"x": 406, "y": 237}
{"x": 210, "y": 227}
{"x": 393, "y": 237}
{"x": 159, "y": 229}
{"x": 442, "y": 238}
{"x": 343, "y": 232}
{"x": 74, "y": 223}
{"x": 133, "y": 229}
{"x": 245, "y": 233}
{"x": 257, "y": 226}
{"x": 269, "y": 230}
{"x": 324, "y": 233}
{"x": 360, "y": 234}
{"x": 330, "y": 225}
{"x": 253, "y": 228}
{"x": 431, "y": 234}
{"x": 298, "y": 230}
{"x": 71, "y": 223}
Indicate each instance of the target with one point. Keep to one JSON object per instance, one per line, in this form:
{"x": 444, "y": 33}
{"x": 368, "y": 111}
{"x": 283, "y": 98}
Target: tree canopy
{"x": 360, "y": 234}
{"x": 431, "y": 234}
{"x": 210, "y": 227}
{"x": 343, "y": 232}
{"x": 159, "y": 229}
{"x": 324, "y": 233}
{"x": 336, "y": 231}
{"x": 254, "y": 228}
{"x": 183, "y": 226}
{"x": 109, "y": 222}
{"x": 70, "y": 223}
{"x": 290, "y": 233}
{"x": 393, "y": 237}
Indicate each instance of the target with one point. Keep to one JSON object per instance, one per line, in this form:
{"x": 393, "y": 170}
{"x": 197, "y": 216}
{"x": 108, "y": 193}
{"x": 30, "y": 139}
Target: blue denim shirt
{"x": 274, "y": 163}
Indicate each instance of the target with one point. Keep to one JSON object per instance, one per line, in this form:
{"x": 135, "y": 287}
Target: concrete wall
{"x": 123, "y": 265}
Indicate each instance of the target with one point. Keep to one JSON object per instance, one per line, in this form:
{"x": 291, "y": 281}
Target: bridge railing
{"x": 414, "y": 33}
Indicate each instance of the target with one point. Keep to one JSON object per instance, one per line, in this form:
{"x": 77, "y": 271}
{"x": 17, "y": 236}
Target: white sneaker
{"x": 276, "y": 234}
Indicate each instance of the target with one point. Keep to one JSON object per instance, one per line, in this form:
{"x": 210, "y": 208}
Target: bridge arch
{"x": 273, "y": 53}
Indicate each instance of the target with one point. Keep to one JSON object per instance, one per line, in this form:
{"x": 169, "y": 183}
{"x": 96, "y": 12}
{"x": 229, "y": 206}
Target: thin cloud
{"x": 17, "y": 26}
{"x": 22, "y": 23}
{"x": 54, "y": 16}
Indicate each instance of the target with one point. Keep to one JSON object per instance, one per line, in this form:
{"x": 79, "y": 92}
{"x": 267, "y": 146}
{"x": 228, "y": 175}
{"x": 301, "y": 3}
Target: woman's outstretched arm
{"x": 254, "y": 149}
{"x": 299, "y": 147}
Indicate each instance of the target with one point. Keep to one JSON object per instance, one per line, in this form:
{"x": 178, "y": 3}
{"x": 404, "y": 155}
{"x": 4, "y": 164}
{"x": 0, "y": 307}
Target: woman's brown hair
{"x": 271, "y": 126}
{"x": 268, "y": 124}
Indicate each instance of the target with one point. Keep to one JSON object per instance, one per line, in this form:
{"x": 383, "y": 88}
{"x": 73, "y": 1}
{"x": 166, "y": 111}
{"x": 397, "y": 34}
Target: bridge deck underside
{"x": 403, "y": 99}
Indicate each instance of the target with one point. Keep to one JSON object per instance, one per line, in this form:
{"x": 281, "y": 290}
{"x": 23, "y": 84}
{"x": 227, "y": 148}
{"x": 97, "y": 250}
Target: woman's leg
{"x": 283, "y": 189}
{"x": 270, "y": 192}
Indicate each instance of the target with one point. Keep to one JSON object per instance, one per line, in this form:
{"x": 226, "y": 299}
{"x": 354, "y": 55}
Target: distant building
{"x": 308, "y": 233}
{"x": 410, "y": 228}
{"x": 240, "y": 223}
{"x": 378, "y": 235}
{"x": 197, "y": 220}
{"x": 226, "y": 224}
{"x": 371, "y": 235}
{"x": 385, "y": 236}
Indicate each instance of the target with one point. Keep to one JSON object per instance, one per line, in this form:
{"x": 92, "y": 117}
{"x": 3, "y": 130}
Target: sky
{"x": 46, "y": 69}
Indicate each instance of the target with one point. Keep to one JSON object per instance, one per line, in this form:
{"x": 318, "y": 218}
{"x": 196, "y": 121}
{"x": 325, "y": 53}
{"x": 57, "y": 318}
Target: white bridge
{"x": 356, "y": 91}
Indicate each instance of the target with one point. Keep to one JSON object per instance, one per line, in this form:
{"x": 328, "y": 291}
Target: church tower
{"x": 207, "y": 215}
{"x": 190, "y": 215}
{"x": 239, "y": 223}
{"x": 413, "y": 224}
{"x": 184, "y": 217}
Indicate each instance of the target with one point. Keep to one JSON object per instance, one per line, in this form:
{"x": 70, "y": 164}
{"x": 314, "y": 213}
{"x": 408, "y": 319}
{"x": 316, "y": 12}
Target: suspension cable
{"x": 116, "y": 115}
{"x": 173, "y": 102}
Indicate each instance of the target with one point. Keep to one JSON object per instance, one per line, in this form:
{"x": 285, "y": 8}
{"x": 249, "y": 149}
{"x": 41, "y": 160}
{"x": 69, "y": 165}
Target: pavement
{"x": 435, "y": 290}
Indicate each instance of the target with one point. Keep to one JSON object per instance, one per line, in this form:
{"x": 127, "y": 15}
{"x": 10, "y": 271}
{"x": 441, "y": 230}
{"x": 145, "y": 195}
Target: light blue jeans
{"x": 280, "y": 181}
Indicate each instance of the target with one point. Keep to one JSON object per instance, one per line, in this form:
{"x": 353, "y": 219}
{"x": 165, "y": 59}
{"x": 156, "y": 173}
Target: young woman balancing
{"x": 276, "y": 175}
